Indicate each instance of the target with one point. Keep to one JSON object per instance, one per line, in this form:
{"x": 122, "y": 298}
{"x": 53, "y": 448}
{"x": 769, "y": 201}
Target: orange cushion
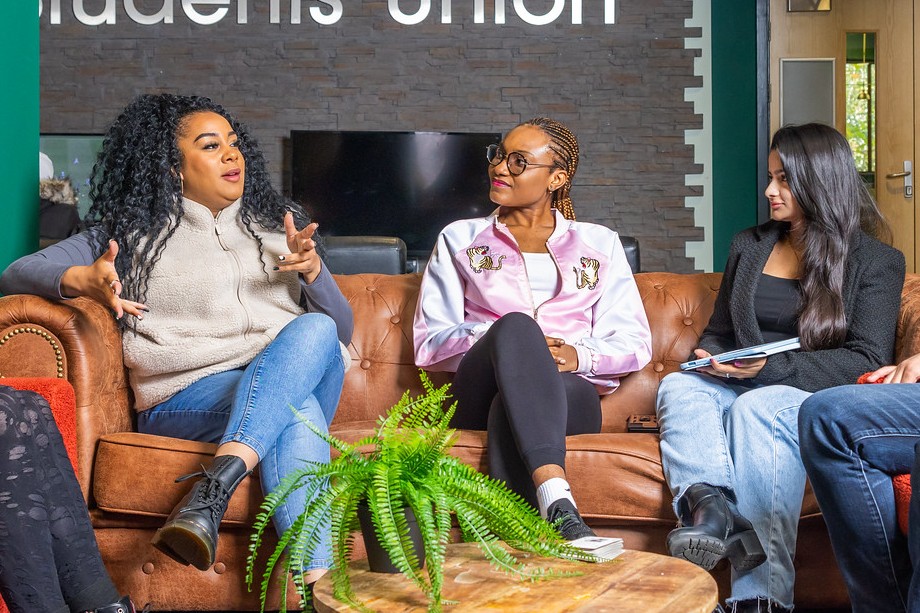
{"x": 902, "y": 499}
{"x": 60, "y": 396}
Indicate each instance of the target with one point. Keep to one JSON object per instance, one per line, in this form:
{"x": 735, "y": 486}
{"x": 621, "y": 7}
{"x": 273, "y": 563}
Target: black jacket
{"x": 871, "y": 300}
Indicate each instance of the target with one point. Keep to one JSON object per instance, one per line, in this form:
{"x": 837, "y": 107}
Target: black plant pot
{"x": 377, "y": 557}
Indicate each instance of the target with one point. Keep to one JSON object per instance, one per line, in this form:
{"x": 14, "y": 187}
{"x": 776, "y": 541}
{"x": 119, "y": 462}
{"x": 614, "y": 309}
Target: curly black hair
{"x": 136, "y": 191}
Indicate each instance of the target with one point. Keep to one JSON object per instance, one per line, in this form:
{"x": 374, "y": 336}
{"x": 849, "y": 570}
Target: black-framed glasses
{"x": 517, "y": 163}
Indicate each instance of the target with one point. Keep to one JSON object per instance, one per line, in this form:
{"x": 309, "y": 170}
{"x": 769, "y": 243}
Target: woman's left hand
{"x": 303, "y": 257}
{"x": 739, "y": 369}
{"x": 565, "y": 356}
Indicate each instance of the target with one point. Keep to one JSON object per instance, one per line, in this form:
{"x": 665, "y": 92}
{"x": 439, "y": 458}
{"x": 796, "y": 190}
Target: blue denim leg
{"x": 853, "y": 439}
{"x": 302, "y": 368}
{"x": 762, "y": 429}
{"x": 691, "y": 410}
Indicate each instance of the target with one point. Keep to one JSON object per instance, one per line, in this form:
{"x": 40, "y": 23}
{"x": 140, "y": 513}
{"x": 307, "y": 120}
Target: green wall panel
{"x": 19, "y": 113}
{"x": 734, "y": 122}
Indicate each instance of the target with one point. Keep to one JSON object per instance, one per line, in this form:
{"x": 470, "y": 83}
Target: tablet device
{"x": 757, "y": 351}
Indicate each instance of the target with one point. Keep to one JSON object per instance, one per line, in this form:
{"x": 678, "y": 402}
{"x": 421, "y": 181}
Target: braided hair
{"x": 564, "y": 146}
{"x": 136, "y": 189}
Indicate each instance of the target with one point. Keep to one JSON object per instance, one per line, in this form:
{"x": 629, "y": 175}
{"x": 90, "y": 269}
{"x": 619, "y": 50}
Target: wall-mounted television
{"x": 405, "y": 184}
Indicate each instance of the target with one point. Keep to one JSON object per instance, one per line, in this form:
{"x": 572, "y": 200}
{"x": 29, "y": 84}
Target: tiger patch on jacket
{"x": 481, "y": 260}
{"x": 587, "y": 276}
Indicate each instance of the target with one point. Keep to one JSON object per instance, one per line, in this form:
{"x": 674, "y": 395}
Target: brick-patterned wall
{"x": 619, "y": 86}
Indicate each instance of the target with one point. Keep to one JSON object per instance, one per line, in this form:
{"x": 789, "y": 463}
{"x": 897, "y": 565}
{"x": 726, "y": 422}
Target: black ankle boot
{"x": 189, "y": 535}
{"x": 742, "y": 547}
{"x": 712, "y": 530}
{"x": 122, "y": 606}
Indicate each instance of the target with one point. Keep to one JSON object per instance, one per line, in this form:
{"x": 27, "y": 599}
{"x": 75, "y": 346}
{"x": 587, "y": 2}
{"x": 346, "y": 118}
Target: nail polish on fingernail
{"x": 281, "y": 257}
{"x": 275, "y": 268}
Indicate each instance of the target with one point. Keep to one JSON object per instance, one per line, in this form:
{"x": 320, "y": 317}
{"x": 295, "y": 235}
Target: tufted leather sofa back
{"x": 678, "y": 307}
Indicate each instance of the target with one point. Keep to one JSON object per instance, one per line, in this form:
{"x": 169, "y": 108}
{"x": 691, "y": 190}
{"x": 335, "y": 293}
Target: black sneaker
{"x": 563, "y": 515}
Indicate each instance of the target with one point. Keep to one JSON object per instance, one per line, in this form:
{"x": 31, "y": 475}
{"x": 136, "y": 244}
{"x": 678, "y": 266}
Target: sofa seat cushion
{"x": 615, "y": 477}
{"x": 135, "y": 474}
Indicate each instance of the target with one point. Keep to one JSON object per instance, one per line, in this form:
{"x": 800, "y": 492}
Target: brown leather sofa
{"x": 127, "y": 477}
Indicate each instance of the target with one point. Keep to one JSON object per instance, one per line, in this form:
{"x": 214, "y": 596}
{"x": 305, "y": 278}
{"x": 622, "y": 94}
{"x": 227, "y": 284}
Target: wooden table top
{"x": 634, "y": 581}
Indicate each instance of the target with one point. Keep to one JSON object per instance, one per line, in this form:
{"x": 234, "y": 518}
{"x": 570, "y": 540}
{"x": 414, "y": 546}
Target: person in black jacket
{"x": 49, "y": 560}
{"x": 729, "y": 434}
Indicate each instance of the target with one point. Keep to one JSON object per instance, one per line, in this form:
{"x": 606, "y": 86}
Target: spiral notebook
{"x": 757, "y": 351}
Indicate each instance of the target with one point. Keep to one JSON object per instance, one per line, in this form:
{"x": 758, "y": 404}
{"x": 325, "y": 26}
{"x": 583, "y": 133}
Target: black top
{"x": 776, "y": 304}
{"x": 871, "y": 299}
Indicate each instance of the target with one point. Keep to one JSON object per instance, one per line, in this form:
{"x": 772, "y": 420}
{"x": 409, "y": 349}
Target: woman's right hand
{"x": 908, "y": 371}
{"x": 100, "y": 282}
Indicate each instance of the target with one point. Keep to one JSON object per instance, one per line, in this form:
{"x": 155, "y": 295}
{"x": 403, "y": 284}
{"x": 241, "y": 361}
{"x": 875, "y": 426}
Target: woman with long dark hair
{"x": 234, "y": 317}
{"x": 536, "y": 313}
{"x": 729, "y": 437}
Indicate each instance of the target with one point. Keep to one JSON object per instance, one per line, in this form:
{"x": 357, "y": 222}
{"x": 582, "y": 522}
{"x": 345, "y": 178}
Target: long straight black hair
{"x": 836, "y": 205}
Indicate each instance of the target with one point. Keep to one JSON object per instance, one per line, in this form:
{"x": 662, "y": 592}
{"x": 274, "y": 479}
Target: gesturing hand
{"x": 303, "y": 257}
{"x": 565, "y": 356}
{"x": 100, "y": 282}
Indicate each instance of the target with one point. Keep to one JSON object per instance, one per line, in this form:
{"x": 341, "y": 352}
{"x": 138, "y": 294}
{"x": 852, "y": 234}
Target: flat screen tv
{"x": 405, "y": 184}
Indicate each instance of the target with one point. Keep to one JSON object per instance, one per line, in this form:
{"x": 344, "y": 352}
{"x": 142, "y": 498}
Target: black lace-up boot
{"x": 712, "y": 530}
{"x": 122, "y": 606}
{"x": 189, "y": 535}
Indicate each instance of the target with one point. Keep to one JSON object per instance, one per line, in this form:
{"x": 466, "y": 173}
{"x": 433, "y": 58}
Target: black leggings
{"x": 48, "y": 555}
{"x": 509, "y": 385}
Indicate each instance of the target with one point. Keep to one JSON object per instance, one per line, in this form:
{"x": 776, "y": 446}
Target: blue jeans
{"x": 854, "y": 438}
{"x": 744, "y": 440}
{"x": 302, "y": 368}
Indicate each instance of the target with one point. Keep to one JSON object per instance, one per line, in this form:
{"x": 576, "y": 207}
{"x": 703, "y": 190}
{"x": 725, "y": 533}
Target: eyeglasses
{"x": 517, "y": 163}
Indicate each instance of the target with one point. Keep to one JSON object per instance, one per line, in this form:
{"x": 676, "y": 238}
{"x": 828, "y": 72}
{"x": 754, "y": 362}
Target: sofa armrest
{"x": 907, "y": 341}
{"x": 77, "y": 340}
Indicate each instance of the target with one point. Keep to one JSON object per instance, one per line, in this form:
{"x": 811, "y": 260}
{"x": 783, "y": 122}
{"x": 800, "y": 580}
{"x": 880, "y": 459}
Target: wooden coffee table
{"x": 635, "y": 581}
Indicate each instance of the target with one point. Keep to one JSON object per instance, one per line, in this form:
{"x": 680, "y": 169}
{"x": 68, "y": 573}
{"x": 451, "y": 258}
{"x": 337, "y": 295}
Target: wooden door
{"x": 823, "y": 35}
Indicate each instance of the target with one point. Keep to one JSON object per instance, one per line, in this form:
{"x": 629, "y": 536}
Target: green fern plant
{"x": 407, "y": 466}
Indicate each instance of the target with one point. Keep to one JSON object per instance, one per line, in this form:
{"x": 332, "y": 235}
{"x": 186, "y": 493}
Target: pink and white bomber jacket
{"x": 476, "y": 274}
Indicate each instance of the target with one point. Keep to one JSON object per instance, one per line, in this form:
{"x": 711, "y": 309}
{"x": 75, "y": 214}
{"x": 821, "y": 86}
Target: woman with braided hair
{"x": 233, "y": 316}
{"x": 536, "y": 313}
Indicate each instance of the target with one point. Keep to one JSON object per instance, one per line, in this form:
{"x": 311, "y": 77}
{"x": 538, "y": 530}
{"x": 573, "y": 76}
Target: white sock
{"x": 552, "y": 490}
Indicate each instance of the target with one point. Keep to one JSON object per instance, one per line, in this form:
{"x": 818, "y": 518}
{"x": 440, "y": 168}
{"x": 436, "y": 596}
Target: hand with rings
{"x": 101, "y": 282}
{"x": 739, "y": 369}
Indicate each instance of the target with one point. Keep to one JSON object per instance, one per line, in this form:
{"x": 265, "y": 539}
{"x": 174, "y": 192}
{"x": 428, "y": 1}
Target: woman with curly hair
{"x": 233, "y": 317}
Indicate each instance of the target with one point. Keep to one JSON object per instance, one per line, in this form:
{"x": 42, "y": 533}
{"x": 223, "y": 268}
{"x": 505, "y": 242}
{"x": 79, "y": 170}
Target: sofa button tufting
{"x": 220, "y": 568}
{"x": 371, "y": 288}
{"x": 365, "y": 364}
{"x": 147, "y": 568}
{"x": 395, "y": 319}
{"x": 658, "y": 367}
{"x": 688, "y": 321}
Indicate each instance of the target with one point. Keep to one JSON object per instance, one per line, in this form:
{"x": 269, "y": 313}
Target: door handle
{"x": 906, "y": 175}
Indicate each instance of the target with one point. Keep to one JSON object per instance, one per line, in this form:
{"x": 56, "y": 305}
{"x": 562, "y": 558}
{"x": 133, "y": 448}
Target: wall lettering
{"x": 322, "y": 12}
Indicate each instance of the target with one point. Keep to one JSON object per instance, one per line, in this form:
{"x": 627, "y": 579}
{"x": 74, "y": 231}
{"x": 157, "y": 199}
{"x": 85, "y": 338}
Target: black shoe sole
{"x": 744, "y": 550}
{"x": 702, "y": 550}
{"x": 185, "y": 543}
